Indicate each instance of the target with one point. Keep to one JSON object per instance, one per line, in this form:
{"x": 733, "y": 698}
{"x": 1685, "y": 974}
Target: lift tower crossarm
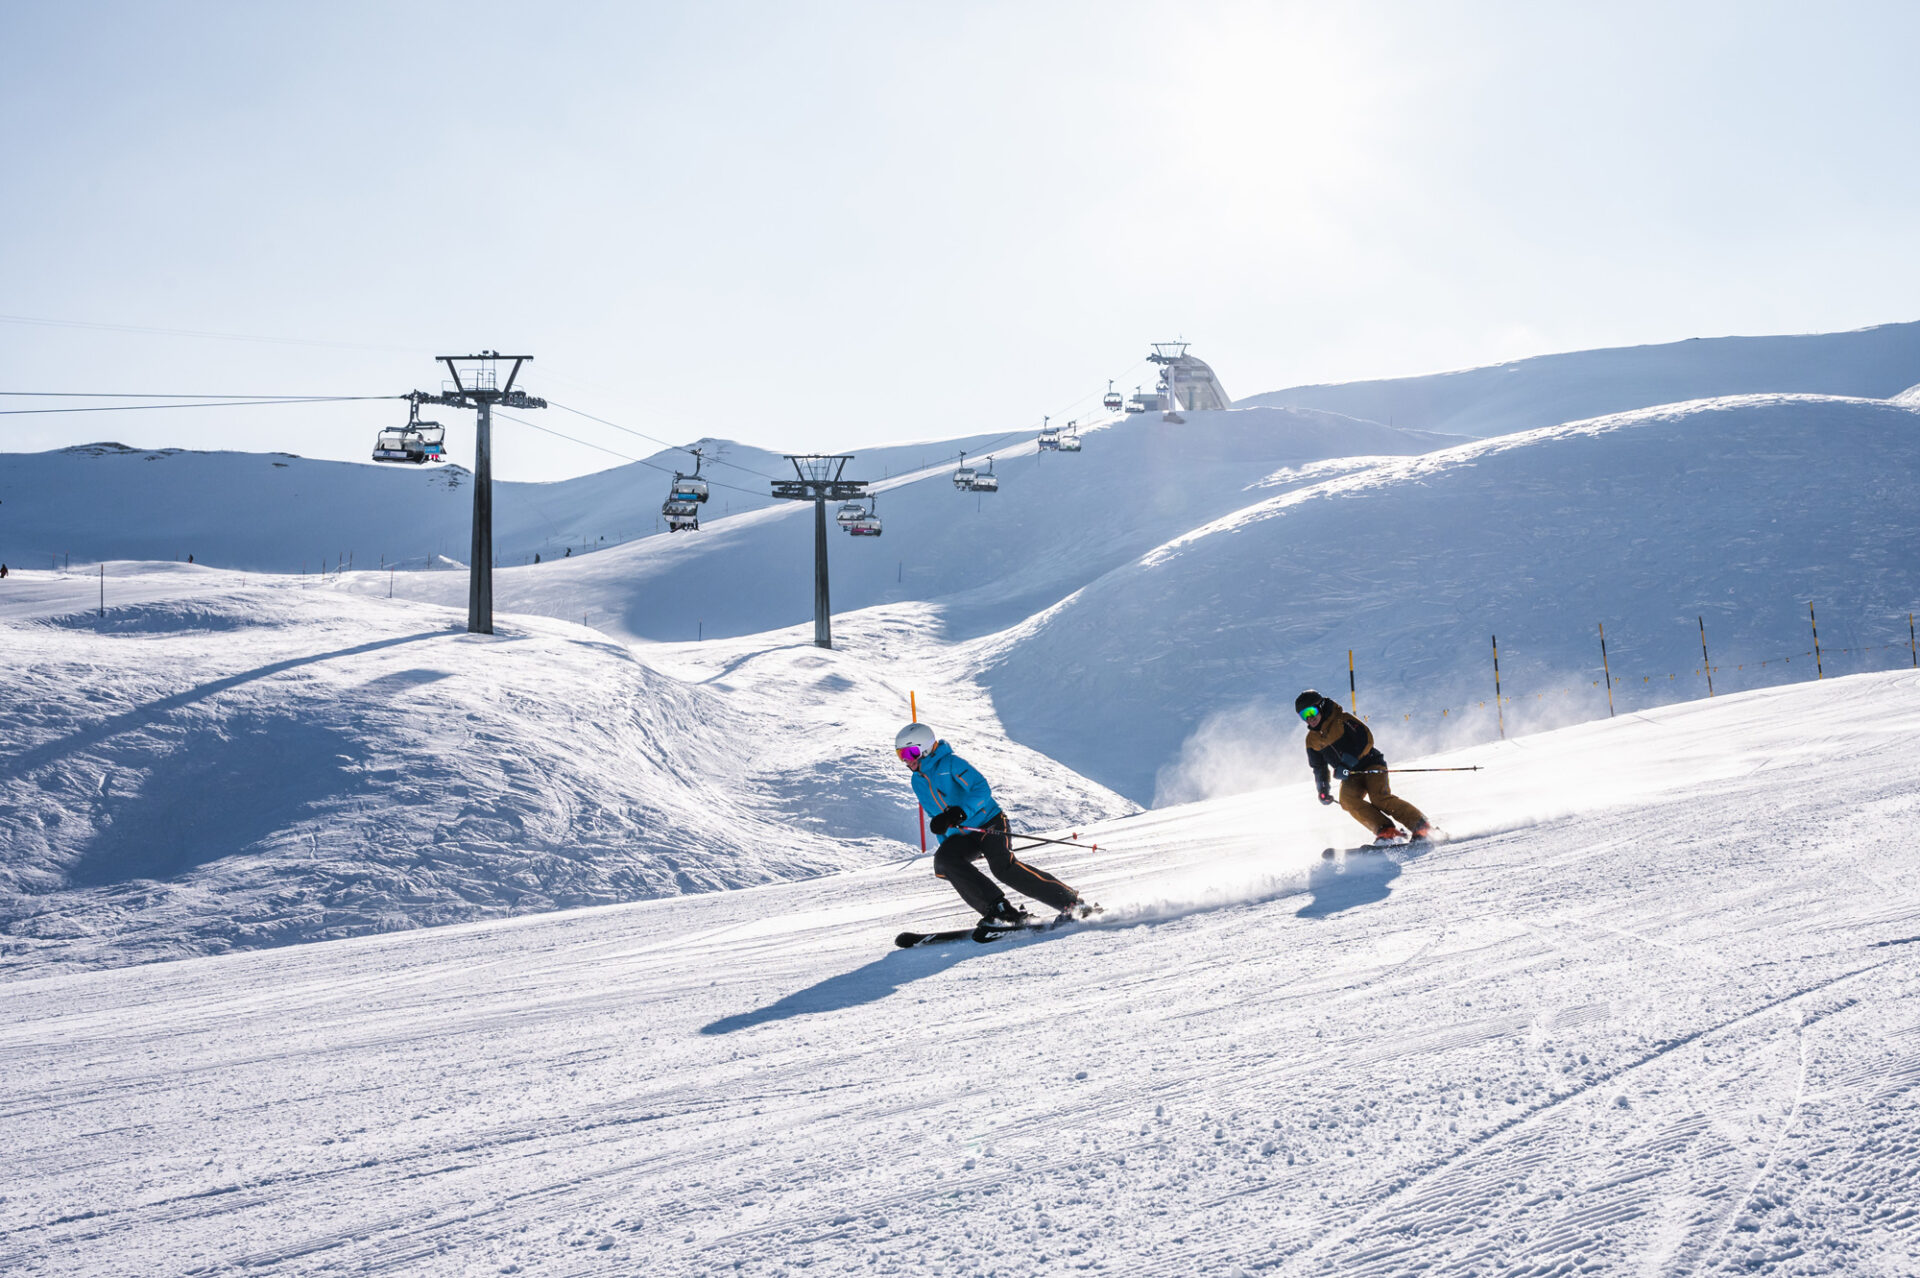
{"x": 819, "y": 481}
{"x": 481, "y": 396}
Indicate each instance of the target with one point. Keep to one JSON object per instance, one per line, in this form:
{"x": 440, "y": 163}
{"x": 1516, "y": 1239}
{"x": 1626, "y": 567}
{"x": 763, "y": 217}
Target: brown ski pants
{"x": 1369, "y": 800}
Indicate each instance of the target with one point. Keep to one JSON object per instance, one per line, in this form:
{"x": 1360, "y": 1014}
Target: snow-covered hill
{"x": 1870, "y": 363}
{"x": 1738, "y": 510}
{"x": 1652, "y": 1012}
{"x": 1058, "y": 522}
{"x": 215, "y": 765}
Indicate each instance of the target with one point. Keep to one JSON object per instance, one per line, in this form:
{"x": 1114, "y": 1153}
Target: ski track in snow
{"x": 1654, "y": 1010}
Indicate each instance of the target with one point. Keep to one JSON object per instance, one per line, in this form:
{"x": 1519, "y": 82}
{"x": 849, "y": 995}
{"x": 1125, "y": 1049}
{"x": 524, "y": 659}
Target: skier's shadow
{"x": 868, "y": 984}
{"x": 1334, "y": 886}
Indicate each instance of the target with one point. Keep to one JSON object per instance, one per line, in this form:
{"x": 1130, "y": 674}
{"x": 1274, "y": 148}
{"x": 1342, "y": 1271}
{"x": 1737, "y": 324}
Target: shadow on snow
{"x": 868, "y": 984}
{"x": 1334, "y": 886}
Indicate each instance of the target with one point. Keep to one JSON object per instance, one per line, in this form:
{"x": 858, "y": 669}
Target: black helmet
{"x": 1305, "y": 699}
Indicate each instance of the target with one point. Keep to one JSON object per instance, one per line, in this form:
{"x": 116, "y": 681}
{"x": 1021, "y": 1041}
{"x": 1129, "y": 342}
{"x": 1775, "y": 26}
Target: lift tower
{"x": 480, "y": 390}
{"x": 819, "y": 482}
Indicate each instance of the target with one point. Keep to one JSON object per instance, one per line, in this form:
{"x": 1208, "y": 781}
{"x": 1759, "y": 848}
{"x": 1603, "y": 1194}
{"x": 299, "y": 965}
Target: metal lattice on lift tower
{"x": 480, "y": 390}
{"x": 819, "y": 482}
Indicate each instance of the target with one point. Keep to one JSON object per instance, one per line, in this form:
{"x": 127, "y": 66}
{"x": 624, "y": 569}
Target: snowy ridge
{"x": 1652, "y": 1010}
{"x": 1499, "y": 399}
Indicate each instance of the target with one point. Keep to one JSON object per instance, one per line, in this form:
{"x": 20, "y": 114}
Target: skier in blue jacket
{"x": 971, "y": 825}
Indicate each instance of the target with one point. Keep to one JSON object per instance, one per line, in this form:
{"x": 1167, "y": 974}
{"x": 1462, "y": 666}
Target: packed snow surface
{"x": 1654, "y": 1009}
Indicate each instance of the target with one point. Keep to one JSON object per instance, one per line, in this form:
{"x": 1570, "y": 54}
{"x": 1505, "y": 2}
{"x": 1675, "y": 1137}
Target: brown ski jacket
{"x": 1340, "y": 742}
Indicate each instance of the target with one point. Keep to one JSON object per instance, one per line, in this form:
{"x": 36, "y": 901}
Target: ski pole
{"x": 1368, "y": 772}
{"x": 1074, "y": 842}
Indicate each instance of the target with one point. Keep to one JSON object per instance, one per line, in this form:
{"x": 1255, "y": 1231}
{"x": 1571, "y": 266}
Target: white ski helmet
{"x": 917, "y": 737}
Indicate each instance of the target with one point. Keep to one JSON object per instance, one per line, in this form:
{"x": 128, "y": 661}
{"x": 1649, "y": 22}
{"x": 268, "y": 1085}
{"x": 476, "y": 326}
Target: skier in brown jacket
{"x": 1340, "y": 743}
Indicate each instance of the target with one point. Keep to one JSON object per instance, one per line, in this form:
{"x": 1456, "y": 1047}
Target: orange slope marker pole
{"x": 913, "y": 716}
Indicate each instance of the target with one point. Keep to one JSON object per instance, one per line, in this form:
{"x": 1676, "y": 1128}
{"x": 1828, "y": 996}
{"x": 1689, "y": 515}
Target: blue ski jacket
{"x": 945, "y": 780}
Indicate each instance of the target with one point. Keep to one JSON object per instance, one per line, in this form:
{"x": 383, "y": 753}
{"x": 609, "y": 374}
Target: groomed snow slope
{"x": 1869, "y": 363}
{"x": 217, "y": 765}
{"x": 1175, "y": 675}
{"x": 1656, "y": 1010}
{"x": 1058, "y": 522}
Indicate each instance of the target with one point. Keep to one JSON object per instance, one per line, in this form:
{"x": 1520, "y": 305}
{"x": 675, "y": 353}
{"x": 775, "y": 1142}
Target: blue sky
{"x": 826, "y": 225}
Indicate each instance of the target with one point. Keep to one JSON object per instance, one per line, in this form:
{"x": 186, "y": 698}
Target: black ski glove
{"x": 947, "y": 820}
{"x": 1325, "y": 797}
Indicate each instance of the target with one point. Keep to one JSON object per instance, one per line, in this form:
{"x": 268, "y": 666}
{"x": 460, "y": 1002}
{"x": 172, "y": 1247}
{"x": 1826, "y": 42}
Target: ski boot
{"x": 1080, "y": 909}
{"x": 1390, "y": 837}
{"x": 1003, "y": 915}
{"x": 1424, "y": 830}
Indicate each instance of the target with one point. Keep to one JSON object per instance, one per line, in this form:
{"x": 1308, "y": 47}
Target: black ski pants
{"x": 954, "y": 862}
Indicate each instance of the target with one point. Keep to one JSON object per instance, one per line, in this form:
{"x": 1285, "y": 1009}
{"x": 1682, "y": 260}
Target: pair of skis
{"x": 1388, "y": 845}
{"x": 986, "y": 932}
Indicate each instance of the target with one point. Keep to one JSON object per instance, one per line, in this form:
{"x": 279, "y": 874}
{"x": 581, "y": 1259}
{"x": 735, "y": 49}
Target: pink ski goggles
{"x": 910, "y": 754}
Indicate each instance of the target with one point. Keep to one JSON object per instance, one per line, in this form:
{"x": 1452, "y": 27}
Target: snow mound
{"x": 217, "y": 766}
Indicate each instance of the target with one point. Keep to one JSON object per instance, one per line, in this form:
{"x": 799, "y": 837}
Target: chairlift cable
{"x": 161, "y": 395}
{"x": 231, "y": 403}
{"x": 587, "y": 443}
{"x": 678, "y": 448}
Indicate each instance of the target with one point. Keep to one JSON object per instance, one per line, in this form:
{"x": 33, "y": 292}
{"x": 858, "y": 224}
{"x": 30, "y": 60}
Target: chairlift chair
{"x": 963, "y": 478}
{"x": 399, "y": 444}
{"x": 415, "y": 442}
{"x": 868, "y": 525}
{"x": 986, "y": 481}
{"x": 681, "y": 515}
{"x": 851, "y": 513}
{"x": 1113, "y": 399}
{"x": 1070, "y": 441}
{"x": 690, "y": 488}
{"x": 1049, "y": 441}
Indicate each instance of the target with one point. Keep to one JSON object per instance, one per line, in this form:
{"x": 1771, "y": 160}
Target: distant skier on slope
{"x": 970, "y": 825}
{"x": 1339, "y": 742}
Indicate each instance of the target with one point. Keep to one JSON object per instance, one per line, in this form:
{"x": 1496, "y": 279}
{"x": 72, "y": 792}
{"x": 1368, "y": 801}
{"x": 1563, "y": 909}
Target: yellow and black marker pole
{"x": 1819, "y": 671}
{"x": 1353, "y": 693}
{"x": 1706, "y": 662}
{"x": 1499, "y": 712}
{"x": 1605, "y": 669}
